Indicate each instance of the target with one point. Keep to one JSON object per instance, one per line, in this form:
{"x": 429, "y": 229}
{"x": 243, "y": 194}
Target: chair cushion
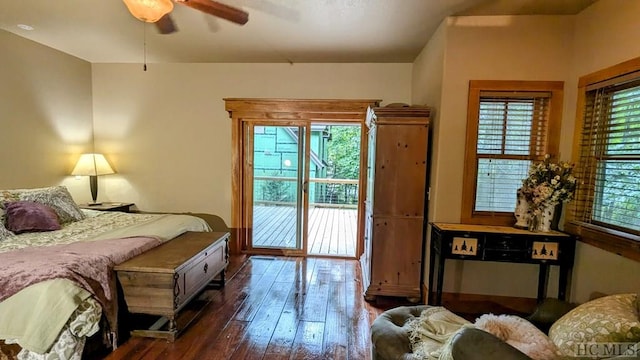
{"x": 475, "y": 344}
{"x": 390, "y": 333}
{"x": 548, "y": 312}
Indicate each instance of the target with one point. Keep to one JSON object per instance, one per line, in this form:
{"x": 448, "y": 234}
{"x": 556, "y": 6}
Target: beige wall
{"x": 426, "y": 89}
{"x": 520, "y": 48}
{"x": 45, "y": 113}
{"x": 491, "y": 48}
{"x": 168, "y": 135}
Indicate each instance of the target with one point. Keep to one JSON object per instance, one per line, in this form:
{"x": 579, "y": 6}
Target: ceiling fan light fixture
{"x": 149, "y": 10}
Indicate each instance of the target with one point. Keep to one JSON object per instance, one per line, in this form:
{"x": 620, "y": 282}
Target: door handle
{"x": 305, "y": 186}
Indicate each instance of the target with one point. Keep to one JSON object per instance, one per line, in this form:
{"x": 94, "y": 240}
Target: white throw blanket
{"x": 429, "y": 333}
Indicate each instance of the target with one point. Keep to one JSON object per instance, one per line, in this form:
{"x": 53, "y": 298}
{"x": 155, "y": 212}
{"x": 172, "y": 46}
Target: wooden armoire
{"x": 395, "y": 205}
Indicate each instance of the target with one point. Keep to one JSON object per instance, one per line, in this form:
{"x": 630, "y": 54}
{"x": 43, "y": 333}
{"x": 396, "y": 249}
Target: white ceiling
{"x": 103, "y": 31}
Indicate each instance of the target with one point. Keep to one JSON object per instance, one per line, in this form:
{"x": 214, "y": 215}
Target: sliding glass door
{"x": 301, "y": 188}
{"x": 334, "y": 172}
{"x": 276, "y": 185}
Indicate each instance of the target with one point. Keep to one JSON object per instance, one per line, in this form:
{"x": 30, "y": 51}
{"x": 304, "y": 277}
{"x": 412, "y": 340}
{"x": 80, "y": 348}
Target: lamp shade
{"x": 149, "y": 10}
{"x": 92, "y": 165}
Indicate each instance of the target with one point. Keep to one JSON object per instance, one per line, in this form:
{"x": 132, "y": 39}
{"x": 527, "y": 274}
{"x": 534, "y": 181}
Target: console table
{"x": 499, "y": 243}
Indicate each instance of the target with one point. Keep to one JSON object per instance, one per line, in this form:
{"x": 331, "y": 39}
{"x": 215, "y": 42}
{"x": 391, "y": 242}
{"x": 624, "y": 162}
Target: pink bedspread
{"x": 89, "y": 264}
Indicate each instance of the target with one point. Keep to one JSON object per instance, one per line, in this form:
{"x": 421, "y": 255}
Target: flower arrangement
{"x": 548, "y": 184}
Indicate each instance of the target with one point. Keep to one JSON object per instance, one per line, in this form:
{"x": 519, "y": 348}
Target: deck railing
{"x": 323, "y": 192}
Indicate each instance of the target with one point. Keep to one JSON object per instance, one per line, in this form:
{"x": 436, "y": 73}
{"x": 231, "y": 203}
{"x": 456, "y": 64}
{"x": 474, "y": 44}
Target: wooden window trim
{"x": 617, "y": 242}
{"x": 620, "y": 243}
{"x": 468, "y": 216}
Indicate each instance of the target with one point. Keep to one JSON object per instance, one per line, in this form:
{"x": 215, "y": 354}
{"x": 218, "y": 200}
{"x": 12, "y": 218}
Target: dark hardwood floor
{"x": 276, "y": 308}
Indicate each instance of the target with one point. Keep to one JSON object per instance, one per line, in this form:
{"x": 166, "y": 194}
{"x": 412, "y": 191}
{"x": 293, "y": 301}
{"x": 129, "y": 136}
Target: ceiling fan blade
{"x": 218, "y": 9}
{"x": 272, "y": 7}
{"x": 165, "y": 25}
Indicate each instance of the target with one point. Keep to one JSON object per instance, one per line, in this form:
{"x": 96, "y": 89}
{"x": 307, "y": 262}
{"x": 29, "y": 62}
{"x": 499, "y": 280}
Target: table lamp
{"x": 92, "y": 165}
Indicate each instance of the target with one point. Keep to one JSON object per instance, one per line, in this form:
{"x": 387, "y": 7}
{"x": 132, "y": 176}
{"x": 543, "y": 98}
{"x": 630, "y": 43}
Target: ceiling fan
{"x": 158, "y": 12}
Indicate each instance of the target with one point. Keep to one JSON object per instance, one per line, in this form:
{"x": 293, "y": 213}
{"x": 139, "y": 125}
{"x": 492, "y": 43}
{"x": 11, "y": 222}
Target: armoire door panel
{"x": 398, "y": 251}
{"x": 401, "y": 156}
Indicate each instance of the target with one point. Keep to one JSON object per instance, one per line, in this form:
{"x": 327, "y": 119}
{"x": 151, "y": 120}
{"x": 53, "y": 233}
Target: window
{"x": 509, "y": 126}
{"x": 607, "y": 206}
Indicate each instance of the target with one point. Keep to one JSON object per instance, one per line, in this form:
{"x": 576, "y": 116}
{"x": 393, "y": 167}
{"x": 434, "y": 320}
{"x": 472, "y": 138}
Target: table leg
{"x": 432, "y": 262}
{"x": 542, "y": 281}
{"x": 441, "y": 260}
{"x": 563, "y": 281}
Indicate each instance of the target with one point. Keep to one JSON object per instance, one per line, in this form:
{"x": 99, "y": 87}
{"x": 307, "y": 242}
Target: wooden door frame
{"x": 310, "y": 110}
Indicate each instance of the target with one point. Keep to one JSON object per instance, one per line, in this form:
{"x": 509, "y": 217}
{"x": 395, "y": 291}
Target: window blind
{"x": 608, "y": 168}
{"x": 512, "y": 128}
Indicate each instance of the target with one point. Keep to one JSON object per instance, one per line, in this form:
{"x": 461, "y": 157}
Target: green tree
{"x": 276, "y": 190}
{"x": 343, "y": 158}
{"x": 343, "y": 152}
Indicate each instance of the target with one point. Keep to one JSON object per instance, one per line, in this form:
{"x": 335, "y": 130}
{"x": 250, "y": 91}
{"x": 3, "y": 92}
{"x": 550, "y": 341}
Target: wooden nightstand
{"x": 108, "y": 206}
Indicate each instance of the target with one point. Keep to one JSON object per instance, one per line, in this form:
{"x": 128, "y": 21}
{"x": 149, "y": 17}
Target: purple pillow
{"x": 28, "y": 216}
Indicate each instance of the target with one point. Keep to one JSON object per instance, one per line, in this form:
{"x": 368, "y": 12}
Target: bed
{"x": 57, "y": 284}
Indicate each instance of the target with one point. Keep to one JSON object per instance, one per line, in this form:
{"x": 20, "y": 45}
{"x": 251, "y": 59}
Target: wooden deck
{"x": 332, "y": 231}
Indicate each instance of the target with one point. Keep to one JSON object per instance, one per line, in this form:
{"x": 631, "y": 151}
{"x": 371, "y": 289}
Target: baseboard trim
{"x": 235, "y": 248}
{"x": 456, "y": 301}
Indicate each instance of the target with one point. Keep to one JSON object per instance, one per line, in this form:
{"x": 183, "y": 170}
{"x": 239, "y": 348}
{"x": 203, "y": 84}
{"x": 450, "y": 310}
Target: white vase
{"x": 547, "y": 218}
{"x": 522, "y": 211}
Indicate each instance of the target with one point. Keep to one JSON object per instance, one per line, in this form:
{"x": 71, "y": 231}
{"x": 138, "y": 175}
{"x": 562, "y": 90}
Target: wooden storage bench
{"x": 164, "y": 279}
